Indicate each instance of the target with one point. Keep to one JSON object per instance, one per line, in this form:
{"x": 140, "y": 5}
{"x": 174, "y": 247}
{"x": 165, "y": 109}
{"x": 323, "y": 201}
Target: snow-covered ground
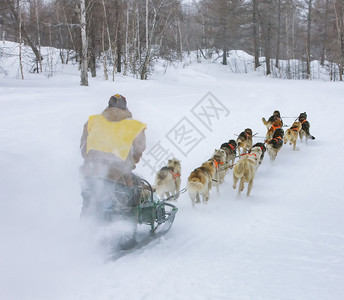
{"x": 285, "y": 241}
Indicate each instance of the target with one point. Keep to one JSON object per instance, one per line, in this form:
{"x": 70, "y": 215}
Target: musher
{"x": 111, "y": 145}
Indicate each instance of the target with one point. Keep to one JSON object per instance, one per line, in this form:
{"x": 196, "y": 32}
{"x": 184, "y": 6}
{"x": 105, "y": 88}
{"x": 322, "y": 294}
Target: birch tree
{"x": 39, "y": 62}
{"x": 19, "y": 5}
{"x": 84, "y": 63}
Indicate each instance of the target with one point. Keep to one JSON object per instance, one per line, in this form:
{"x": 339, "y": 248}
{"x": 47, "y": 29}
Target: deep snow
{"x": 285, "y": 241}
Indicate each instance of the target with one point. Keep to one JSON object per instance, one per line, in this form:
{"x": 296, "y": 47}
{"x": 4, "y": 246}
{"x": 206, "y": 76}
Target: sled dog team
{"x": 213, "y": 171}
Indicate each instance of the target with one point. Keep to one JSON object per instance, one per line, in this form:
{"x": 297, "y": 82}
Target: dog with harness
{"x": 230, "y": 148}
{"x": 245, "y": 169}
{"x": 200, "y": 182}
{"x": 292, "y": 134}
{"x": 244, "y": 141}
{"x": 263, "y": 148}
{"x": 275, "y": 125}
{"x": 219, "y": 158}
{"x": 167, "y": 180}
{"x": 275, "y": 144}
{"x": 304, "y": 132}
{"x": 275, "y": 116}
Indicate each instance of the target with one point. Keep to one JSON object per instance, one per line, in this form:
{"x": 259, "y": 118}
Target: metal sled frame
{"x": 158, "y": 214}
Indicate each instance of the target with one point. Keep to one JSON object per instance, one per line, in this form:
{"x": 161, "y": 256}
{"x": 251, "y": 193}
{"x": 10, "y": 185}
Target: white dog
{"x": 245, "y": 169}
{"x": 167, "y": 180}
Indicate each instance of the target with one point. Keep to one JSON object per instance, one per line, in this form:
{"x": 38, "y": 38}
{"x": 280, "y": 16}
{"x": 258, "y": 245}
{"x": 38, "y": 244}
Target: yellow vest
{"x": 112, "y": 137}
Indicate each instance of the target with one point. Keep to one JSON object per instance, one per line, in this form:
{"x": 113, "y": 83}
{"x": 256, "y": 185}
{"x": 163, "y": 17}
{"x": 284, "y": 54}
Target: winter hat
{"x": 118, "y": 101}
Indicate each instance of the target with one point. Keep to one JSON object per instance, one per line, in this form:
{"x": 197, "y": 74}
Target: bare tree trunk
{"x": 288, "y": 72}
{"x": 118, "y": 42}
{"x": 39, "y": 67}
{"x": 106, "y": 77}
{"x": 19, "y": 3}
{"x": 224, "y": 57}
{"x": 340, "y": 33}
{"x": 278, "y": 33}
{"x": 293, "y": 36}
{"x": 91, "y": 53}
{"x": 324, "y": 38}
{"x": 84, "y": 64}
{"x": 180, "y": 41}
{"x": 108, "y": 33}
{"x": 147, "y": 27}
{"x": 308, "y": 43}
{"x": 119, "y": 62}
{"x": 137, "y": 36}
{"x": 115, "y": 50}
{"x": 62, "y": 51}
{"x": 126, "y": 41}
{"x": 144, "y": 68}
{"x": 255, "y": 34}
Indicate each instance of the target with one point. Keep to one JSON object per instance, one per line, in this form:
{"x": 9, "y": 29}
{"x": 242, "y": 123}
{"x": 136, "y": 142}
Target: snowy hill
{"x": 285, "y": 241}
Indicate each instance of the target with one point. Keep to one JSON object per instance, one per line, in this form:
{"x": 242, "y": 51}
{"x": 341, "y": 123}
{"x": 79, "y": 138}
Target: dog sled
{"x": 157, "y": 214}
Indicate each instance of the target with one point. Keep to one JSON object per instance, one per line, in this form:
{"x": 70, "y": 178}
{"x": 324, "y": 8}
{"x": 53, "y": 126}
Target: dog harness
{"x": 274, "y": 128}
{"x": 174, "y": 175}
{"x": 277, "y": 138}
{"x": 251, "y": 154}
{"x": 230, "y": 145}
{"x": 217, "y": 163}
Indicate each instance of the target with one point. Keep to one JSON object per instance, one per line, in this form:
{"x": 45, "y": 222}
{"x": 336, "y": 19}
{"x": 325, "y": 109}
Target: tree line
{"x": 128, "y": 36}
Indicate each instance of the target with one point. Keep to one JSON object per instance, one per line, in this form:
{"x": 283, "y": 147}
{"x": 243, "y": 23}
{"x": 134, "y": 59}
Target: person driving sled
{"x": 112, "y": 144}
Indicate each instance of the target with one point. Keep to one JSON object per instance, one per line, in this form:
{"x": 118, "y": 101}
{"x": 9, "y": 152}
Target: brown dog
{"x": 245, "y": 169}
{"x": 275, "y": 125}
{"x": 244, "y": 141}
{"x": 292, "y": 134}
{"x": 200, "y": 182}
{"x": 167, "y": 180}
{"x": 275, "y": 116}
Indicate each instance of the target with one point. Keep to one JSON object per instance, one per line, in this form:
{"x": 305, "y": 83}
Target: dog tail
{"x": 194, "y": 187}
{"x": 239, "y": 170}
{"x": 287, "y": 135}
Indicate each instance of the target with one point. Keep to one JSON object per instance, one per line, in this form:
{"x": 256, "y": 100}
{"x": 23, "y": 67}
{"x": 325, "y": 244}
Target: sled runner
{"x": 158, "y": 214}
